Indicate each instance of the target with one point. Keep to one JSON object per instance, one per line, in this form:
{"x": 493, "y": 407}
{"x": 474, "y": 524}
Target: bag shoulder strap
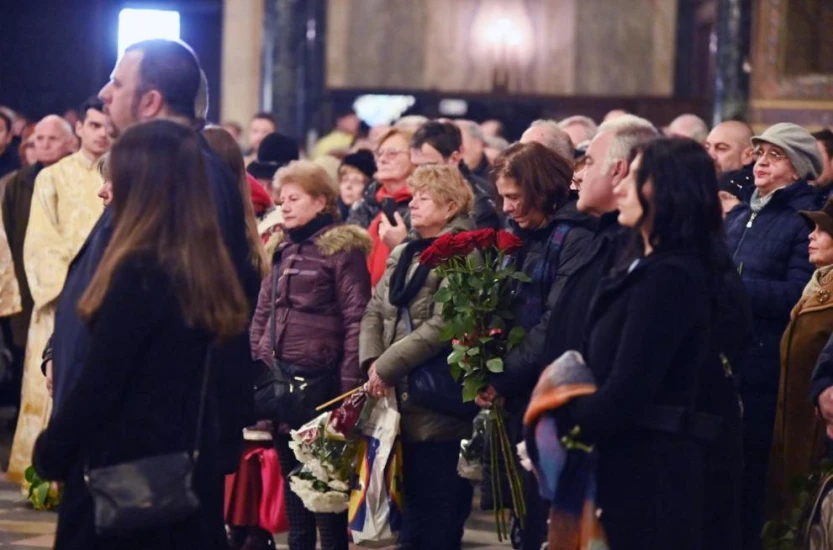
{"x": 201, "y": 408}
{"x": 273, "y": 295}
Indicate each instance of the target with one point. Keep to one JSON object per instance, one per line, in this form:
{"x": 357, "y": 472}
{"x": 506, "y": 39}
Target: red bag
{"x": 255, "y": 493}
{"x": 272, "y": 506}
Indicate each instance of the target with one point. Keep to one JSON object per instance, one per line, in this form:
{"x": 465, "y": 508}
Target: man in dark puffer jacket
{"x": 768, "y": 242}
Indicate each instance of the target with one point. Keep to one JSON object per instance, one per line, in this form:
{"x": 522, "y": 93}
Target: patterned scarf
{"x": 533, "y": 296}
{"x": 564, "y": 466}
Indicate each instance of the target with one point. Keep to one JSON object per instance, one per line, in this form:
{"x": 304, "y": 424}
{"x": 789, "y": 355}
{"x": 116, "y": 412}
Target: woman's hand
{"x": 392, "y": 235}
{"x": 486, "y": 398}
{"x": 376, "y": 387}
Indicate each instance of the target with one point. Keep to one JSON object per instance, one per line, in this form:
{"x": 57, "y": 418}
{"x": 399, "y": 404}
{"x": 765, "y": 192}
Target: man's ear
{"x": 748, "y": 155}
{"x": 151, "y": 105}
{"x": 618, "y": 170}
{"x": 456, "y": 157}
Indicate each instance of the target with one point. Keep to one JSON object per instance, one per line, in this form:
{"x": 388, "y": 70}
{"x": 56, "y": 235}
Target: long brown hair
{"x": 225, "y": 145}
{"x": 163, "y": 206}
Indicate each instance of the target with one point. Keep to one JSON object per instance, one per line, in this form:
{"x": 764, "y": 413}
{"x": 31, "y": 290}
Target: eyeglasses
{"x": 774, "y": 156}
{"x": 387, "y": 153}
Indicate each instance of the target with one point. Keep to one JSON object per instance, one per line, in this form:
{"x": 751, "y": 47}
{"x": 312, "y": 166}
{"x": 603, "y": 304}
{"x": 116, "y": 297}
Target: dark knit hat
{"x": 275, "y": 151}
{"x": 363, "y": 161}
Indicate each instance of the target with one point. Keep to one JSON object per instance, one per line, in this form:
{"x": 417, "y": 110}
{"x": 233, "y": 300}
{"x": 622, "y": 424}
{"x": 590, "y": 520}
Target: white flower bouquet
{"x": 326, "y": 448}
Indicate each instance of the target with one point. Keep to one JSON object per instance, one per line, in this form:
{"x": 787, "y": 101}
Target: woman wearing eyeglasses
{"x": 393, "y": 167}
{"x": 768, "y": 241}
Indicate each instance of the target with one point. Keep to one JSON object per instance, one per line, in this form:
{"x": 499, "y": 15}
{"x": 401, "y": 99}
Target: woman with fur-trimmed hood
{"x": 323, "y": 286}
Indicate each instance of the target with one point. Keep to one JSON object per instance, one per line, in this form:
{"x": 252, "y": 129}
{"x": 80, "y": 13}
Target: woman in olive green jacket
{"x": 435, "y": 497}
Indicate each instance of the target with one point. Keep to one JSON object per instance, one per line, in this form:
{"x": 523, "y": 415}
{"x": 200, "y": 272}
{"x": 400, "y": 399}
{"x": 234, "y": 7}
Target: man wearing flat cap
{"x": 768, "y": 241}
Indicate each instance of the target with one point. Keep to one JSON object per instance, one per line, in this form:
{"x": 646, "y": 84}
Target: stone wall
{"x": 522, "y": 47}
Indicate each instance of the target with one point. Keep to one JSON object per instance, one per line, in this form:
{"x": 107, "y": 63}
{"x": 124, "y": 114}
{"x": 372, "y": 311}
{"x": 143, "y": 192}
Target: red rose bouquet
{"x": 477, "y": 308}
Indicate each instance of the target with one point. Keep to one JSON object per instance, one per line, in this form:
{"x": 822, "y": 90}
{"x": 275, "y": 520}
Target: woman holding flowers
{"x": 534, "y": 187}
{"x": 400, "y": 331}
{"x": 647, "y": 344}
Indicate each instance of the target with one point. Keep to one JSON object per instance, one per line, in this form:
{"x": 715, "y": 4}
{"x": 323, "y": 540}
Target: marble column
{"x": 731, "y": 93}
{"x": 241, "y": 94}
{"x": 294, "y": 63}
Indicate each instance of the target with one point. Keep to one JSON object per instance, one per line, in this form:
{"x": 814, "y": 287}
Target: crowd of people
{"x": 149, "y": 262}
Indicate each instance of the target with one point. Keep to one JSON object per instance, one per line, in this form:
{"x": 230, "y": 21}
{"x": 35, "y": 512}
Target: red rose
{"x": 461, "y": 244}
{"x": 483, "y": 238}
{"x": 507, "y": 242}
{"x": 440, "y": 250}
{"x": 431, "y": 257}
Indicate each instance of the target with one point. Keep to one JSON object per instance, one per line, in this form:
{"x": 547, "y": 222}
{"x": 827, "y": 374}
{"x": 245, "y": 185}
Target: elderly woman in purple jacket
{"x": 323, "y": 287}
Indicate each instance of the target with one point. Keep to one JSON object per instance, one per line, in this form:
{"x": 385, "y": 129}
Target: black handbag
{"x": 431, "y": 386}
{"x": 149, "y": 492}
{"x": 283, "y": 393}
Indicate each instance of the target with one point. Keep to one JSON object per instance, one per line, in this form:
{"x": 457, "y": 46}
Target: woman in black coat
{"x": 153, "y": 316}
{"x": 648, "y": 336}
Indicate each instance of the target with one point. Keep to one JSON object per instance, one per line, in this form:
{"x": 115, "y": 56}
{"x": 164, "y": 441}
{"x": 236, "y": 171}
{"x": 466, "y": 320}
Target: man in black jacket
{"x": 441, "y": 143}
{"x": 160, "y": 79}
{"x": 606, "y": 164}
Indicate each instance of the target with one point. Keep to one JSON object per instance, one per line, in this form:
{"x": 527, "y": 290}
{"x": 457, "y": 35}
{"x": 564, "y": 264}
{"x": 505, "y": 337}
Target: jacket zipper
{"x": 742, "y": 238}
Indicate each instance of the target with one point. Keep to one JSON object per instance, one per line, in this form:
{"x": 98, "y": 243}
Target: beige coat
{"x": 396, "y": 352}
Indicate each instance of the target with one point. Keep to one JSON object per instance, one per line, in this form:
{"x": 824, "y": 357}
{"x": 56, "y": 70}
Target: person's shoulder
{"x": 344, "y": 238}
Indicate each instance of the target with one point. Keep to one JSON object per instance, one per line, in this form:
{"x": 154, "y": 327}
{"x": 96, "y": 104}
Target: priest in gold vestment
{"x": 65, "y": 206}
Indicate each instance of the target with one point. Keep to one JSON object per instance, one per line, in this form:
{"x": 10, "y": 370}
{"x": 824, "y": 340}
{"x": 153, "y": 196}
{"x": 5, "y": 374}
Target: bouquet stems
{"x": 501, "y": 447}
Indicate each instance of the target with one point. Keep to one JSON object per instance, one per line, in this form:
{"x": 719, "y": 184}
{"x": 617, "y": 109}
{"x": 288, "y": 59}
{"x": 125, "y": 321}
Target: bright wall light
{"x": 136, "y": 25}
{"x": 382, "y": 109}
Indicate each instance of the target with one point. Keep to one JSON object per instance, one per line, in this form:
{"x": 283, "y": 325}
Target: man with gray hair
{"x": 581, "y": 130}
{"x": 688, "y": 126}
{"x": 474, "y": 148}
{"x": 606, "y": 165}
{"x": 548, "y": 134}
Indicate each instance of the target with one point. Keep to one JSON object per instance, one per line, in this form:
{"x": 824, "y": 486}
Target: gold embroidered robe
{"x": 9, "y": 291}
{"x": 65, "y": 207}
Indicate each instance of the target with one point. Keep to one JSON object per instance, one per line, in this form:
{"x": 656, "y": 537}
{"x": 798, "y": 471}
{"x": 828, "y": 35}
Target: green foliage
{"x": 477, "y": 309}
{"x": 42, "y": 494}
{"x": 788, "y": 534}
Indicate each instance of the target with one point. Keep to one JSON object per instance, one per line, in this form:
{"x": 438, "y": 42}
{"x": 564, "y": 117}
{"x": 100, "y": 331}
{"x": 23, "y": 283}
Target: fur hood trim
{"x": 343, "y": 238}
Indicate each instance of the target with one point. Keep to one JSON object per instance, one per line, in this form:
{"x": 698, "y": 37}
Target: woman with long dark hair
{"x": 164, "y": 291}
{"x": 648, "y": 339}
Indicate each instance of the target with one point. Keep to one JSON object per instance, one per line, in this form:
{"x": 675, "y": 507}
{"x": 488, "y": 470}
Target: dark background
{"x": 56, "y": 53}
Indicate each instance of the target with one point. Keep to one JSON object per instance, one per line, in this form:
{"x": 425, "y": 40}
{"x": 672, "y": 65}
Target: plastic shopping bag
{"x": 375, "y": 512}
